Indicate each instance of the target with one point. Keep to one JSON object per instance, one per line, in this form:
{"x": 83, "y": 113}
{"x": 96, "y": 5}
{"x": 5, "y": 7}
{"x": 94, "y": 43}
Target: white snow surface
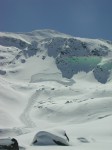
{"x": 36, "y": 95}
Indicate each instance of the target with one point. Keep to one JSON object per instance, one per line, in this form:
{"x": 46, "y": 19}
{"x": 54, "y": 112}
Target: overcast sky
{"x": 80, "y": 18}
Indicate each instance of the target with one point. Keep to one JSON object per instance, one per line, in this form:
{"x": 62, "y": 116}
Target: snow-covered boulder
{"x": 9, "y": 144}
{"x": 56, "y": 137}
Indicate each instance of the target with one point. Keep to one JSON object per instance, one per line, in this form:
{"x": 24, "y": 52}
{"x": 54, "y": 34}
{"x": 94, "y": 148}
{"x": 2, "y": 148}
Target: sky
{"x": 80, "y": 18}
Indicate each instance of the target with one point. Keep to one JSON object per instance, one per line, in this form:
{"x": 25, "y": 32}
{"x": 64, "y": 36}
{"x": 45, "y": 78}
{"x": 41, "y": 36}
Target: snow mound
{"x": 51, "y": 138}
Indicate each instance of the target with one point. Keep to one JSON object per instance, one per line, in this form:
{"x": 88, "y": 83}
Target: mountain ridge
{"x": 71, "y": 55}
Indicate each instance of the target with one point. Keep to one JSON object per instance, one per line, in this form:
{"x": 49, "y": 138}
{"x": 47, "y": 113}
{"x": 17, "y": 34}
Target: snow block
{"x": 51, "y": 138}
{"x": 9, "y": 144}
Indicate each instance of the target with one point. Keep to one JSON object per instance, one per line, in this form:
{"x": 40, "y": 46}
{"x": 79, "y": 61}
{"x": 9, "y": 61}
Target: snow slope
{"x": 51, "y": 81}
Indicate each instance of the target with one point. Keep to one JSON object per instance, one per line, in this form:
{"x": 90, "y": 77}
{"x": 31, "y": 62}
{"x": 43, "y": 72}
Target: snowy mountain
{"x": 50, "y": 80}
{"x": 69, "y": 55}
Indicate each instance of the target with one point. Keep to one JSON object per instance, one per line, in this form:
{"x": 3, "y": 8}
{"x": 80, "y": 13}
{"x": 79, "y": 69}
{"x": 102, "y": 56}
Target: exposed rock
{"x": 9, "y": 144}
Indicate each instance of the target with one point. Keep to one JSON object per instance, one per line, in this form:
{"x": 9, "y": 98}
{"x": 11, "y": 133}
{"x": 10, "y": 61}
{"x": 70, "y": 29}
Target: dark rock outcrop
{"x": 9, "y": 144}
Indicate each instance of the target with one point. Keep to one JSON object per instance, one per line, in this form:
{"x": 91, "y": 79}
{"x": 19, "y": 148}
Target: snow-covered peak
{"x": 47, "y": 33}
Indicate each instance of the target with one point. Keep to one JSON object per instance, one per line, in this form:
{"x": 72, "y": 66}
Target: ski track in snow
{"x": 25, "y": 116}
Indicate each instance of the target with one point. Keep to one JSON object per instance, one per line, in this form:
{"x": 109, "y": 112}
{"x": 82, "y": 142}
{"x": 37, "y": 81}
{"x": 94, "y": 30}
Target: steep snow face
{"x": 67, "y": 54}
